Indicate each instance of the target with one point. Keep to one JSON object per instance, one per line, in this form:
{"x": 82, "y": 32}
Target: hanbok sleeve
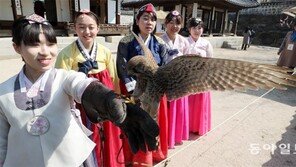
{"x": 186, "y": 47}
{"x": 64, "y": 60}
{"x": 4, "y": 126}
{"x": 210, "y": 50}
{"x": 121, "y": 62}
{"x": 163, "y": 51}
{"x": 75, "y": 83}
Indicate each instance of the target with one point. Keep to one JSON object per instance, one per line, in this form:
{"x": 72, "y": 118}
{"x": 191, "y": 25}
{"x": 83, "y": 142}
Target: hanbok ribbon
{"x": 90, "y": 62}
{"x": 173, "y": 52}
{"x": 86, "y": 66}
{"x": 293, "y": 36}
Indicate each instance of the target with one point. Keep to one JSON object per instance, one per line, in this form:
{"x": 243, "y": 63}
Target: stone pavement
{"x": 248, "y": 128}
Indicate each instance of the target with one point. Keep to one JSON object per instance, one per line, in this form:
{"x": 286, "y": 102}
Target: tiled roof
{"x": 244, "y": 3}
{"x": 238, "y": 3}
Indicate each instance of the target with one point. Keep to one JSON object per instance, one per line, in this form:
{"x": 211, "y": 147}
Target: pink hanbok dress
{"x": 178, "y": 118}
{"x": 200, "y": 104}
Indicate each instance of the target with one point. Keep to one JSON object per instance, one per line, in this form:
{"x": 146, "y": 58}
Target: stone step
{"x": 231, "y": 45}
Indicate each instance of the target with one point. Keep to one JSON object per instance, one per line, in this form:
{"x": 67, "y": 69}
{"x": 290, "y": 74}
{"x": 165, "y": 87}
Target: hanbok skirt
{"x": 108, "y": 151}
{"x": 148, "y": 158}
{"x": 200, "y": 113}
{"x": 178, "y": 121}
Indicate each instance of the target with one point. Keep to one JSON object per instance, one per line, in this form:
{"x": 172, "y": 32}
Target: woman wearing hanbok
{"x": 199, "y": 104}
{"x": 129, "y": 47}
{"x": 95, "y": 60}
{"x": 37, "y": 127}
{"x": 287, "y": 50}
{"x": 178, "y": 111}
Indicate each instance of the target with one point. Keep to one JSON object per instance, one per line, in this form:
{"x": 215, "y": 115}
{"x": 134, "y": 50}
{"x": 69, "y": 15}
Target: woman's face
{"x": 146, "y": 23}
{"x": 38, "y": 57}
{"x": 172, "y": 27}
{"x": 196, "y": 31}
{"x": 87, "y": 29}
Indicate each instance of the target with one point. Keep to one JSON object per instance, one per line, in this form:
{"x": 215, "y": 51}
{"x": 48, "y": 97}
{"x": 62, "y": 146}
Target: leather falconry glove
{"x": 101, "y": 103}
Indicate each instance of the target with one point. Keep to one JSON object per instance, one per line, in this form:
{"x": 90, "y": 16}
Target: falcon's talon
{"x": 129, "y": 100}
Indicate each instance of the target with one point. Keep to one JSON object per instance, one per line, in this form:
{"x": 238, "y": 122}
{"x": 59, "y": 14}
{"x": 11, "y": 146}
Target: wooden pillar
{"x": 224, "y": 21}
{"x": 117, "y": 12}
{"x": 17, "y": 9}
{"x": 236, "y": 22}
{"x": 103, "y": 11}
{"x": 212, "y": 20}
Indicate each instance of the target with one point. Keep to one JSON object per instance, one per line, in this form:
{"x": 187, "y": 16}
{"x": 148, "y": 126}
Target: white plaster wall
{"x": 84, "y": 4}
{"x": 126, "y": 19}
{"x": 63, "y": 10}
{"x": 160, "y": 27}
{"x": 112, "y": 11}
{"x": 28, "y": 7}
{"x": 6, "y": 10}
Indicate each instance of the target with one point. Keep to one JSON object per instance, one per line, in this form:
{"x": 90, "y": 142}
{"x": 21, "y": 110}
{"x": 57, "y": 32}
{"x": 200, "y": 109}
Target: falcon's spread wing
{"x": 190, "y": 74}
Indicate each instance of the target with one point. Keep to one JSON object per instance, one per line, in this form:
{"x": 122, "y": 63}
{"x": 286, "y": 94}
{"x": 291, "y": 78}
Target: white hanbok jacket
{"x": 180, "y": 43}
{"x": 64, "y": 144}
{"x": 201, "y": 47}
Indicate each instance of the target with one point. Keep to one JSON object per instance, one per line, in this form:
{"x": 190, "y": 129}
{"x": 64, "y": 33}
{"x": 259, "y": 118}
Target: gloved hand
{"x": 101, "y": 103}
{"x": 140, "y": 129}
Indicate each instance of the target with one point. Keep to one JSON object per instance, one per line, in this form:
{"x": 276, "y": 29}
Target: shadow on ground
{"x": 287, "y": 97}
{"x": 285, "y": 151}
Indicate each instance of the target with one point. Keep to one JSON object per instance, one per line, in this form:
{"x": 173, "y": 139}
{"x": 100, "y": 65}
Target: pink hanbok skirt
{"x": 178, "y": 121}
{"x": 200, "y": 113}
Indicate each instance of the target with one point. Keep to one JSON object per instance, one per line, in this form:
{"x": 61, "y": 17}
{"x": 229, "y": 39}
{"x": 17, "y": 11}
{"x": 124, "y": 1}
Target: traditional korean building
{"x": 214, "y": 13}
{"x": 60, "y": 13}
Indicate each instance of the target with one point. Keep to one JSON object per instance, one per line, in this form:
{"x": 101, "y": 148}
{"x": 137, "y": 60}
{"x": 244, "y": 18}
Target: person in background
{"x": 178, "y": 118}
{"x": 252, "y": 36}
{"x": 87, "y": 56}
{"x": 144, "y": 27}
{"x": 247, "y": 37}
{"x": 287, "y": 50}
{"x": 39, "y": 8}
{"x": 199, "y": 104}
{"x": 37, "y": 127}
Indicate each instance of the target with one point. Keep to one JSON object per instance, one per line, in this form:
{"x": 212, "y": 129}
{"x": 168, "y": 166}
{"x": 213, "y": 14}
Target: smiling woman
{"x": 39, "y": 45}
{"x": 178, "y": 120}
{"x": 36, "y": 107}
{"x": 95, "y": 60}
{"x": 129, "y": 47}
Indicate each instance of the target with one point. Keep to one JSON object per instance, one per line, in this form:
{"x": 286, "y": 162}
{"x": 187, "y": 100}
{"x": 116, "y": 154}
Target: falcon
{"x": 191, "y": 74}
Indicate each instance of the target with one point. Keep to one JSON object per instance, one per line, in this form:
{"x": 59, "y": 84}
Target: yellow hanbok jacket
{"x": 69, "y": 57}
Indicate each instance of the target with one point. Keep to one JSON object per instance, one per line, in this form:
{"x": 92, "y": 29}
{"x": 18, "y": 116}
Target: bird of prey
{"x": 191, "y": 74}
